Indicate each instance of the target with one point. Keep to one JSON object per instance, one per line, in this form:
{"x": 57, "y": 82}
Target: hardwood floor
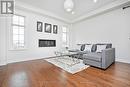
{"x": 39, "y": 73}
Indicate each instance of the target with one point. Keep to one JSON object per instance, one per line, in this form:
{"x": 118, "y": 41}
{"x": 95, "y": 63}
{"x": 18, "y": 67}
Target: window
{"x": 18, "y": 27}
{"x": 65, "y": 37}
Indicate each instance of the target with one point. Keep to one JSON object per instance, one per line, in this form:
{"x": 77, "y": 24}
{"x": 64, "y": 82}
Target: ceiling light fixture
{"x": 72, "y": 12}
{"x": 68, "y": 5}
{"x": 95, "y": 1}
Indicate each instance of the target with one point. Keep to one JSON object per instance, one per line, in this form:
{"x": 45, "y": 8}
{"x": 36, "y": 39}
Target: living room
{"x": 49, "y": 29}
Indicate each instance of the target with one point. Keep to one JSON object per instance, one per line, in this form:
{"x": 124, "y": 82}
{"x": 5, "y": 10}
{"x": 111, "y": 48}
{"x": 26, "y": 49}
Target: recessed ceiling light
{"x": 95, "y": 1}
{"x": 72, "y": 12}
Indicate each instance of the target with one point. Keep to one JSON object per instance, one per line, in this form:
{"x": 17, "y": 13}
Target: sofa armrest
{"x": 108, "y": 57}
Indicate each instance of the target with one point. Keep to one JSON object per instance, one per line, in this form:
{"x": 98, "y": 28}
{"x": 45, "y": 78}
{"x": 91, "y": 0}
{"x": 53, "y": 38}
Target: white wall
{"x": 112, "y": 27}
{"x": 3, "y": 20}
{"x": 31, "y": 38}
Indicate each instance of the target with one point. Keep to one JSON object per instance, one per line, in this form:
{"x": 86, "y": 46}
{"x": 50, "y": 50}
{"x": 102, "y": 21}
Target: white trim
{"x": 104, "y": 9}
{"x": 123, "y": 60}
{"x": 25, "y": 59}
{"x": 67, "y": 35}
{"x": 117, "y": 3}
{"x": 24, "y": 6}
{"x": 12, "y": 45}
{"x": 18, "y": 49}
{"x": 16, "y": 61}
{"x": 2, "y": 64}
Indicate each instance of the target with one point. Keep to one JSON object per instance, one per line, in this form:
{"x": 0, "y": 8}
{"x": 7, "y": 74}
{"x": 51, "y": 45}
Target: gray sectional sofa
{"x": 101, "y": 59}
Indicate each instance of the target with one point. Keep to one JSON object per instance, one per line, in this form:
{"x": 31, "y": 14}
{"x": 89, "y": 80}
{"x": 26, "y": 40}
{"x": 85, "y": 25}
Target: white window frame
{"x": 65, "y": 44}
{"x": 12, "y": 42}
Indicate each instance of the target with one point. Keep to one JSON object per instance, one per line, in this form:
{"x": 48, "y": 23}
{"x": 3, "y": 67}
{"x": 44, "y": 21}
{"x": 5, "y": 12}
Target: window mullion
{"x": 18, "y": 37}
{"x": 18, "y": 32}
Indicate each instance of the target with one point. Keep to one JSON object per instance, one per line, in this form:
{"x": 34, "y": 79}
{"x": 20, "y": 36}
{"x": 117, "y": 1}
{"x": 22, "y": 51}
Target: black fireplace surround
{"x": 47, "y": 43}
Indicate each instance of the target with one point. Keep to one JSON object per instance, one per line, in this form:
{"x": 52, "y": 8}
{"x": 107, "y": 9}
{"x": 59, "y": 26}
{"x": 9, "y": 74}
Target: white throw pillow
{"x": 100, "y": 48}
{"x": 88, "y": 48}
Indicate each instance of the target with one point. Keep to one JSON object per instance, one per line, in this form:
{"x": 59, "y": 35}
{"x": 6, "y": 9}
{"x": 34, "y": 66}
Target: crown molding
{"x": 103, "y": 9}
{"x": 27, "y": 7}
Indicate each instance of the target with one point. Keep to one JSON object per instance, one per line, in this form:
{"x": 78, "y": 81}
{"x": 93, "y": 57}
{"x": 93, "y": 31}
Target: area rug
{"x": 65, "y": 64}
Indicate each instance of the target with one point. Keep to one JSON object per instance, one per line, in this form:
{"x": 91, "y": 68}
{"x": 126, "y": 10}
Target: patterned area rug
{"x": 68, "y": 64}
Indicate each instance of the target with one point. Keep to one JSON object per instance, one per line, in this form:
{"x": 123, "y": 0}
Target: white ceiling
{"x": 82, "y": 7}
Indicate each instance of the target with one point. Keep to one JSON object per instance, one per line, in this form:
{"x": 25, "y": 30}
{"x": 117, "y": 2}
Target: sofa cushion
{"x": 92, "y": 63}
{"x": 82, "y": 47}
{"x": 93, "y": 56}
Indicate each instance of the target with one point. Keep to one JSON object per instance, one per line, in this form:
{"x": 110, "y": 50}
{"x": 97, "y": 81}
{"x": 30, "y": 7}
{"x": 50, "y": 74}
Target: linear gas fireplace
{"x": 47, "y": 43}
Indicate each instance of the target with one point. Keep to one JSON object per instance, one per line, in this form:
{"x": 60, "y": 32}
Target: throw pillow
{"x": 82, "y": 47}
{"x": 88, "y": 48}
{"x": 100, "y": 48}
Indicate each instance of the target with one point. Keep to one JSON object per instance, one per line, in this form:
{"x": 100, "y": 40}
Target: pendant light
{"x": 68, "y": 5}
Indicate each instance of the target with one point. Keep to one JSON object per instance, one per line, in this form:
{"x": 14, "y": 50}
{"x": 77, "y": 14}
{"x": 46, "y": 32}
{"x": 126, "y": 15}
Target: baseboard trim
{"x": 3, "y": 64}
{"x": 10, "y": 62}
{"x": 123, "y": 61}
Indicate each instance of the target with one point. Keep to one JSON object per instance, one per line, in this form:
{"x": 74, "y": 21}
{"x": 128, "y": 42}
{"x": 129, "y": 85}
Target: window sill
{"x": 22, "y": 49}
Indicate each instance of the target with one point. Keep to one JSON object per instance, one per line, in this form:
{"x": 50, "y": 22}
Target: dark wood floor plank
{"x": 40, "y": 73}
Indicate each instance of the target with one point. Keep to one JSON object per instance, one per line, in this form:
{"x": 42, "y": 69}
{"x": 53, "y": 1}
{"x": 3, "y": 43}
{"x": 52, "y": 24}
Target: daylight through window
{"x": 18, "y": 31}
